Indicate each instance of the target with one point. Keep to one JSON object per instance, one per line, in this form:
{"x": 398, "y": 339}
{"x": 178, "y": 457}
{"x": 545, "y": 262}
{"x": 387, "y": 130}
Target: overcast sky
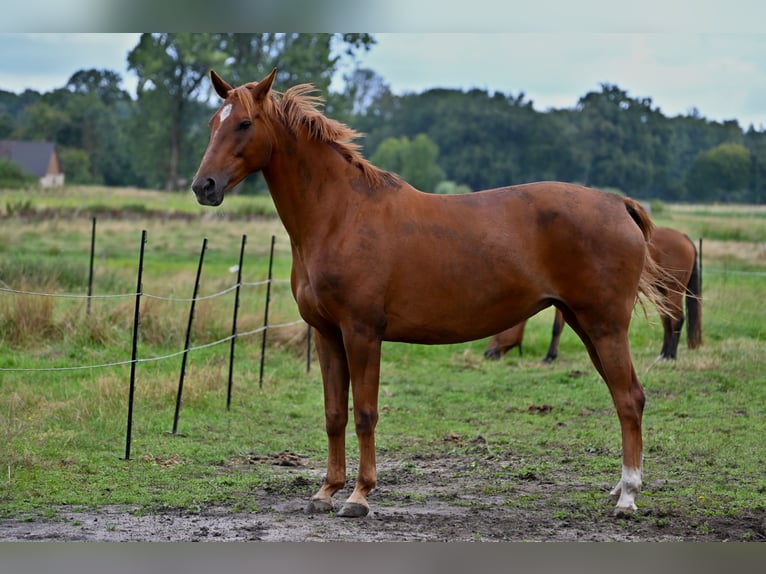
{"x": 722, "y": 75}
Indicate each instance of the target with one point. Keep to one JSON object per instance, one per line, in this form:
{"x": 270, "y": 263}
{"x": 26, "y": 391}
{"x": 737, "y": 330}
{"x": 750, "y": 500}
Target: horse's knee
{"x": 335, "y": 421}
{"x": 365, "y": 420}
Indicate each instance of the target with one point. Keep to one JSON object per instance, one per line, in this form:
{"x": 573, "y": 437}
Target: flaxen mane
{"x": 298, "y": 110}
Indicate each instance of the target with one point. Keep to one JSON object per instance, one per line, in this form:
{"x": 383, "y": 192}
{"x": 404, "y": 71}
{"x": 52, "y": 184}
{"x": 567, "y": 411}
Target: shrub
{"x": 13, "y": 177}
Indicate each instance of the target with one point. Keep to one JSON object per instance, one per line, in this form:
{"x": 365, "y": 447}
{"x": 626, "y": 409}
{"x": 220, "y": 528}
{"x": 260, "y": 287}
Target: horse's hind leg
{"x": 553, "y": 348}
{"x": 610, "y": 354}
{"x": 672, "y": 323}
{"x": 667, "y": 338}
{"x": 335, "y": 379}
{"x": 628, "y": 397}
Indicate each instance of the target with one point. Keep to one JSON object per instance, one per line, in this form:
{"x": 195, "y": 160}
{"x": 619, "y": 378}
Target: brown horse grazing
{"x": 504, "y": 341}
{"x": 676, "y": 255}
{"x": 376, "y": 260}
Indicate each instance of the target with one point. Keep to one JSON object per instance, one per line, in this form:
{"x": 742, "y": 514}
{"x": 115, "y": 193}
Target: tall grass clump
{"x": 27, "y": 318}
{"x": 16, "y": 270}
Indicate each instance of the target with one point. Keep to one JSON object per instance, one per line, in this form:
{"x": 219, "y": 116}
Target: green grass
{"x": 82, "y": 201}
{"x": 62, "y": 433}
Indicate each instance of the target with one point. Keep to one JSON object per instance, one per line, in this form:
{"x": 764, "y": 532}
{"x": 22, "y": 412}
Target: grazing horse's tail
{"x": 694, "y": 304}
{"x": 648, "y": 283}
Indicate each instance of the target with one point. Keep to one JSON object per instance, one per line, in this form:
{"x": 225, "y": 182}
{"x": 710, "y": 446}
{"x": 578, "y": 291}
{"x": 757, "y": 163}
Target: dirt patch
{"x": 441, "y": 499}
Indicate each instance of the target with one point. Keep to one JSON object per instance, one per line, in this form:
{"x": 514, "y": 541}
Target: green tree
{"x": 87, "y": 114}
{"x": 13, "y": 177}
{"x": 299, "y": 59}
{"x": 42, "y": 121}
{"x": 756, "y": 144}
{"x": 691, "y": 135}
{"x": 75, "y": 163}
{"x": 722, "y": 173}
{"x": 103, "y": 84}
{"x": 173, "y": 96}
{"x": 171, "y": 68}
{"x": 415, "y": 161}
{"x": 624, "y": 142}
{"x": 98, "y": 108}
{"x": 484, "y": 140}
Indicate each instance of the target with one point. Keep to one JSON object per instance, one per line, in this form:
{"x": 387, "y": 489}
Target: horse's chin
{"x": 213, "y": 201}
{"x": 209, "y": 197}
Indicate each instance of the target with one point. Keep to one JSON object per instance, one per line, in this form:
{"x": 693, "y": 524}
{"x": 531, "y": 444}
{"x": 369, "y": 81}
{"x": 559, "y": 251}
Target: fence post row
{"x": 308, "y": 348}
{"x": 188, "y": 337}
{"x": 234, "y": 323}
{"x": 266, "y": 312}
{"x": 90, "y": 270}
{"x": 137, "y": 319}
{"x": 699, "y": 258}
{"x": 134, "y": 351}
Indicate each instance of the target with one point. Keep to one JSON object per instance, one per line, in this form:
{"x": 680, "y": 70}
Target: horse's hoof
{"x": 624, "y": 511}
{"x": 317, "y": 506}
{"x": 353, "y": 510}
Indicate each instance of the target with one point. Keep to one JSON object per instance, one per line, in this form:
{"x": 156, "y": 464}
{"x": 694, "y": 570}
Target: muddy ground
{"x": 441, "y": 500}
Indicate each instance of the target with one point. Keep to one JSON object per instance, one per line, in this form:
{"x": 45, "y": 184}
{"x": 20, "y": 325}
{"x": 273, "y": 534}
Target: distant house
{"x": 37, "y": 158}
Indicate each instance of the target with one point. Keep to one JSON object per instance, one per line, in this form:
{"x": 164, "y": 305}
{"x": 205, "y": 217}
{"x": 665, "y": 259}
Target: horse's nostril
{"x": 203, "y": 185}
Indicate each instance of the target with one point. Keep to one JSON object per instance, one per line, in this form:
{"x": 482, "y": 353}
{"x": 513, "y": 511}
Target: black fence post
{"x": 699, "y": 264}
{"x": 308, "y": 348}
{"x": 90, "y": 272}
{"x": 266, "y": 313}
{"x": 188, "y": 338}
{"x": 234, "y": 323}
{"x": 134, "y": 353}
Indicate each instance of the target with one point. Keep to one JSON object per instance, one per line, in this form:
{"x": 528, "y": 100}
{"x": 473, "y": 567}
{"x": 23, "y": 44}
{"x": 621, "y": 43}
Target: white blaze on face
{"x": 225, "y": 111}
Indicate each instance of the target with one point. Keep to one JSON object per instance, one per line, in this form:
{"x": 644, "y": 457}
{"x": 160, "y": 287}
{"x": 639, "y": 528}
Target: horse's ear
{"x": 262, "y": 88}
{"x": 222, "y": 88}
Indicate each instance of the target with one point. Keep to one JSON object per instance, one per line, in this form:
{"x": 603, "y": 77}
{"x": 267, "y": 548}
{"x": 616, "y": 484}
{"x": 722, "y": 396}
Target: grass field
{"x": 63, "y": 432}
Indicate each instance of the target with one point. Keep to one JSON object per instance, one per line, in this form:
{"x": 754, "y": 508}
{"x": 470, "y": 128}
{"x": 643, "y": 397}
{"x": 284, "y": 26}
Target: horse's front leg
{"x": 364, "y": 365}
{"x": 335, "y": 379}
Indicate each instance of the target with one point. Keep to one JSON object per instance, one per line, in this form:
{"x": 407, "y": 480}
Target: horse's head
{"x": 240, "y": 141}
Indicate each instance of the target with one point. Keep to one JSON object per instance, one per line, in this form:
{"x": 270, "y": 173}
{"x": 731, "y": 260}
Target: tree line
{"x": 440, "y": 140}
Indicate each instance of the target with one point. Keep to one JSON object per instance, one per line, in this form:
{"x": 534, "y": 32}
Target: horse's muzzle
{"x": 207, "y": 192}
{"x": 492, "y": 354}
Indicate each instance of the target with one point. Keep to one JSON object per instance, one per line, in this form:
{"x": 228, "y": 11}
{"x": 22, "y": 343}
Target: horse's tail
{"x": 648, "y": 284}
{"x": 640, "y": 216}
{"x": 694, "y": 304}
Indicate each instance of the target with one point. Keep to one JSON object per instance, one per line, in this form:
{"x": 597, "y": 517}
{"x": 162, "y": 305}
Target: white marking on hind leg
{"x": 627, "y": 489}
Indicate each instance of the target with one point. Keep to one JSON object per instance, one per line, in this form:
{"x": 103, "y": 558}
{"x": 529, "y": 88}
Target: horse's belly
{"x": 430, "y": 321}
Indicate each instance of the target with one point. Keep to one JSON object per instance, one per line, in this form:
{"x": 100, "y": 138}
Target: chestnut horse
{"x": 676, "y": 255}
{"x": 374, "y": 259}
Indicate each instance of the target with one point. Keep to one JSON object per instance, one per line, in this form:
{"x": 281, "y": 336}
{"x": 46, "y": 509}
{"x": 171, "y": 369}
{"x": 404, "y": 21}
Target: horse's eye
{"x": 244, "y": 124}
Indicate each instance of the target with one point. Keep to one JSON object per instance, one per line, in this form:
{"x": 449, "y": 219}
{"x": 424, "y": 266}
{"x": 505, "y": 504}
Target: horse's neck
{"x": 311, "y": 185}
